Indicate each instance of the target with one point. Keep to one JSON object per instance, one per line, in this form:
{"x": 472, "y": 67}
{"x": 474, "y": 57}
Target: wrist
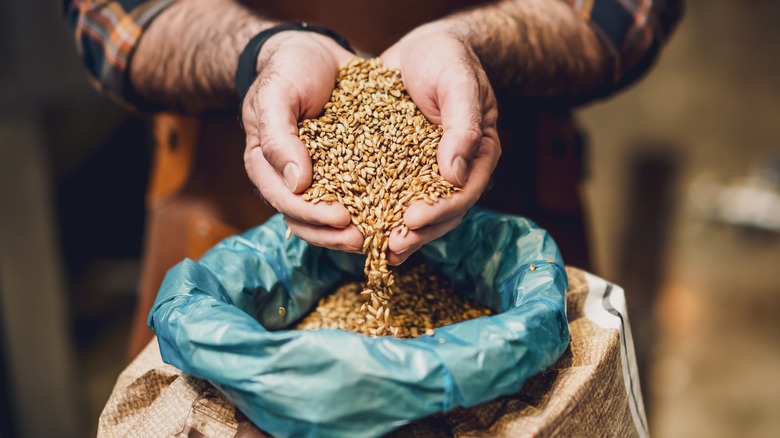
{"x": 443, "y": 28}
{"x": 251, "y": 60}
{"x": 434, "y": 38}
{"x": 297, "y": 38}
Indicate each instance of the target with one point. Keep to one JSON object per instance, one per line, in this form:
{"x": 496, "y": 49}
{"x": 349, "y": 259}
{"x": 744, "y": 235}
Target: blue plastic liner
{"x": 218, "y": 319}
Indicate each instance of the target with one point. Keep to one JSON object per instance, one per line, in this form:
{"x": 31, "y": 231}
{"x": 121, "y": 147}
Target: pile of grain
{"x": 374, "y": 152}
{"x": 423, "y": 301}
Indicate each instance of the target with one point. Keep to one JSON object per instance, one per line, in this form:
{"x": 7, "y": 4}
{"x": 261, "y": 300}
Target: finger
{"x": 420, "y": 214}
{"x": 461, "y": 117}
{"x": 278, "y": 107}
{"x": 343, "y": 239}
{"x": 275, "y": 191}
{"x": 401, "y": 247}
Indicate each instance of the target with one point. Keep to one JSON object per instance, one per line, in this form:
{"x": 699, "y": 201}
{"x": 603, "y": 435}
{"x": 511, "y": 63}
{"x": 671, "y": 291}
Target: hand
{"x": 447, "y": 82}
{"x": 297, "y": 73}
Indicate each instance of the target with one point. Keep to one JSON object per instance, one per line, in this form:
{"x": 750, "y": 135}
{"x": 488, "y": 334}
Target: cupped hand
{"x": 297, "y": 73}
{"x": 447, "y": 82}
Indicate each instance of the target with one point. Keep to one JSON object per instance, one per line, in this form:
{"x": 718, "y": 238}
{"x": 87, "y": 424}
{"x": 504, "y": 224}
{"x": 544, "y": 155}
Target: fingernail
{"x": 461, "y": 169}
{"x": 291, "y": 173}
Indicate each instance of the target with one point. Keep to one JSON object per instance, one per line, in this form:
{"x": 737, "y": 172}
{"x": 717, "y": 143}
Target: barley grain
{"x": 423, "y": 301}
{"x": 374, "y": 152}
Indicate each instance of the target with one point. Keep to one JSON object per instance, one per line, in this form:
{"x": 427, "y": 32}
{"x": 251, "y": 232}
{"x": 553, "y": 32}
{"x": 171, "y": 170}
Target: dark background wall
{"x": 704, "y": 293}
{"x": 73, "y": 169}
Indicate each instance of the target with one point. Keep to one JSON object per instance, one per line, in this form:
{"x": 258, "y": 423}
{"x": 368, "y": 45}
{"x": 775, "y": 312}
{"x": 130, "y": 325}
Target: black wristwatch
{"x": 247, "y": 62}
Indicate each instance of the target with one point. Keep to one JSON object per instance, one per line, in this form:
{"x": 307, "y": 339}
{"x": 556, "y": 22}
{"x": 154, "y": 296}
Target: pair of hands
{"x": 297, "y": 72}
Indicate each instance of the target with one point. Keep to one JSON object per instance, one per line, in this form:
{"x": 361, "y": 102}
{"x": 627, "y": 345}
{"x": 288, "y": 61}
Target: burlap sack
{"x": 593, "y": 390}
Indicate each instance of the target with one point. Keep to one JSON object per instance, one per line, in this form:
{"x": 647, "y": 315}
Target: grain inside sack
{"x": 422, "y": 302}
{"x": 374, "y": 152}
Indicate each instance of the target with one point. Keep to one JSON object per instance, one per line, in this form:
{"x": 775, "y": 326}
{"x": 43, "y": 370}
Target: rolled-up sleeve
{"x": 632, "y": 30}
{"x": 106, "y": 34}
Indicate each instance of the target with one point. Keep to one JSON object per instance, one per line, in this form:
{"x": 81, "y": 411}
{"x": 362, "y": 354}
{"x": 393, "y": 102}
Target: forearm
{"x": 187, "y": 57}
{"x": 540, "y": 48}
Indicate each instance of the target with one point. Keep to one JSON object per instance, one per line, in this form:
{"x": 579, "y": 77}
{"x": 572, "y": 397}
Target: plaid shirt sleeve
{"x": 632, "y": 30}
{"x": 106, "y": 33}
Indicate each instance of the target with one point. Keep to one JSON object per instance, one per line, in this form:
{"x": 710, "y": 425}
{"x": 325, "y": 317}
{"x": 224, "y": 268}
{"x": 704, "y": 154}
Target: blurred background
{"x": 683, "y": 193}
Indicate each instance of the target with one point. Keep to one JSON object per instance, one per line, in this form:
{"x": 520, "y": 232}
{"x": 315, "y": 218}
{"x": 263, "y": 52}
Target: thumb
{"x": 461, "y": 118}
{"x": 276, "y": 135}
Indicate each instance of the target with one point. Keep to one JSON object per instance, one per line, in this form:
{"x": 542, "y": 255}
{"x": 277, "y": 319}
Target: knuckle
{"x": 472, "y": 134}
{"x": 494, "y": 149}
{"x": 272, "y": 151}
{"x": 247, "y": 113}
{"x": 468, "y": 140}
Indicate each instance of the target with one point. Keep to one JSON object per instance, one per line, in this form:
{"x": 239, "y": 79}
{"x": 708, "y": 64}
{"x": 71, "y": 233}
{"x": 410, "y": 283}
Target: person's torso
{"x": 370, "y": 26}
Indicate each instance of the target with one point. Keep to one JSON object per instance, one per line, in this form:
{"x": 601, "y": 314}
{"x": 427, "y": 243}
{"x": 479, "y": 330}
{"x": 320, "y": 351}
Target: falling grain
{"x": 369, "y": 151}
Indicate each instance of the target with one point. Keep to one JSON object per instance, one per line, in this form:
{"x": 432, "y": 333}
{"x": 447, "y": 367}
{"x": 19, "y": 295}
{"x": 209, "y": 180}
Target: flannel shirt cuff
{"x": 107, "y": 33}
